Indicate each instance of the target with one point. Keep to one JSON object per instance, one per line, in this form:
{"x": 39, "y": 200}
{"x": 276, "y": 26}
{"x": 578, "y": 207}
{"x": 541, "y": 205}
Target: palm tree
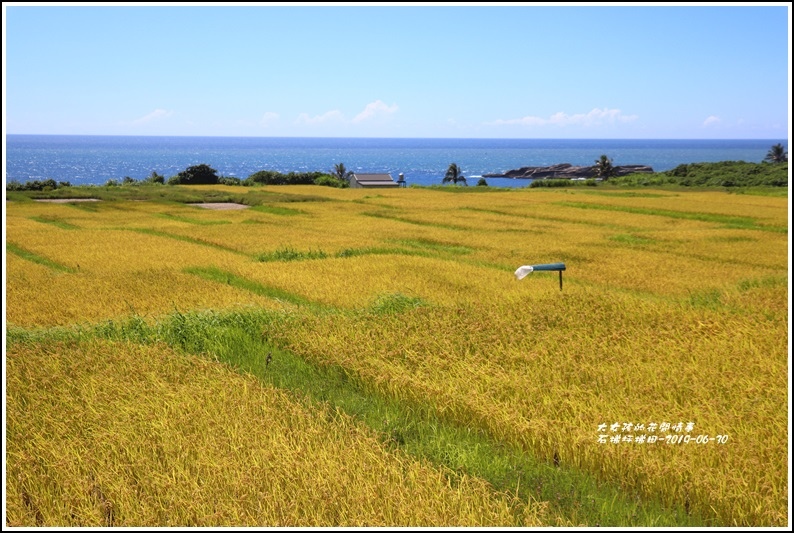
{"x": 776, "y": 154}
{"x": 454, "y": 174}
{"x": 604, "y": 168}
{"x": 341, "y": 172}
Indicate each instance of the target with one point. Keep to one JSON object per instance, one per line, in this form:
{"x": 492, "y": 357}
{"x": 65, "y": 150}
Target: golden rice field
{"x": 675, "y": 308}
{"x": 119, "y": 435}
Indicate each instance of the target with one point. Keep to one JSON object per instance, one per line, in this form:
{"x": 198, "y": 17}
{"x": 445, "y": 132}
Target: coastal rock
{"x": 566, "y": 170}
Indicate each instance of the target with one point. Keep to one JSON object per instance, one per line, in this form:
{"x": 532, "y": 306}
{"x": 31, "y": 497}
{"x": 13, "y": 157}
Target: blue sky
{"x": 411, "y": 70}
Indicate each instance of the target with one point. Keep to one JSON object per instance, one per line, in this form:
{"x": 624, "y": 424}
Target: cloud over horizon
{"x": 596, "y": 117}
{"x": 268, "y": 119}
{"x": 371, "y": 111}
{"x": 375, "y": 109}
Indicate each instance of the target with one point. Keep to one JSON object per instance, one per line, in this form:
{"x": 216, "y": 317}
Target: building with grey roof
{"x": 372, "y": 181}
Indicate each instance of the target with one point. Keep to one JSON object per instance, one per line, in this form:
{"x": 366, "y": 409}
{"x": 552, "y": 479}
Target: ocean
{"x": 93, "y": 160}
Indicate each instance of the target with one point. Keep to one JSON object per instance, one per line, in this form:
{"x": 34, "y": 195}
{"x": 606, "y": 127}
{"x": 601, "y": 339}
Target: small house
{"x": 372, "y": 181}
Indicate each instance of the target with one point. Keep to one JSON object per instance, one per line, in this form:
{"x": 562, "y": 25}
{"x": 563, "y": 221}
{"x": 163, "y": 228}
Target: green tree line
{"x": 773, "y": 171}
{"x": 202, "y": 174}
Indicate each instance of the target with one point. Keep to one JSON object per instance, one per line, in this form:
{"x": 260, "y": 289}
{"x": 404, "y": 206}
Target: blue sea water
{"x": 93, "y": 160}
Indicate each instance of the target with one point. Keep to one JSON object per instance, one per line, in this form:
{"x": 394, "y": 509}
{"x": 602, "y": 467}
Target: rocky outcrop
{"x": 565, "y": 170}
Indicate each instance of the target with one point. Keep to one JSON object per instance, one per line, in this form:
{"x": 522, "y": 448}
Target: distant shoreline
{"x": 86, "y": 160}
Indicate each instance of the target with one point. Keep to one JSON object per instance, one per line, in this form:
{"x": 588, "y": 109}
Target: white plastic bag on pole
{"x": 523, "y": 271}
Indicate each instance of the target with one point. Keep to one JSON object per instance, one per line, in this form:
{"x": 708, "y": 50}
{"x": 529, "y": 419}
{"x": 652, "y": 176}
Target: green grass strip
{"x": 416, "y": 222}
{"x": 239, "y": 282}
{"x": 438, "y": 246}
{"x": 235, "y": 338}
{"x": 183, "y": 238}
{"x": 376, "y": 250}
{"x": 762, "y": 283}
{"x": 418, "y": 431}
{"x": 40, "y": 260}
{"x": 290, "y": 254}
{"x": 491, "y": 211}
{"x": 418, "y": 248}
{"x": 277, "y": 210}
{"x": 58, "y": 223}
{"x": 193, "y": 221}
{"x": 729, "y": 221}
{"x": 632, "y": 240}
{"x": 90, "y": 207}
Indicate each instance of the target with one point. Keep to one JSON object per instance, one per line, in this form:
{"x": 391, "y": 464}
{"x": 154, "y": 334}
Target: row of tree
{"x": 605, "y": 170}
{"x": 206, "y": 175}
{"x": 339, "y": 176}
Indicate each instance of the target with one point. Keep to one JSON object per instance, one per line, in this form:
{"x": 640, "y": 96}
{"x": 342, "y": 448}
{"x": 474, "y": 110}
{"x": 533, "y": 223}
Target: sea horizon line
{"x": 7, "y": 134}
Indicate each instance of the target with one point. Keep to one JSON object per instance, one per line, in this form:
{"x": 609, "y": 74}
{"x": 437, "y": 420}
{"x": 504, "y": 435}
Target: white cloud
{"x": 524, "y": 121}
{"x": 329, "y": 116}
{"x": 268, "y": 119}
{"x": 711, "y": 120}
{"x": 154, "y": 115}
{"x": 374, "y": 109}
{"x": 596, "y": 117}
{"x": 371, "y": 112}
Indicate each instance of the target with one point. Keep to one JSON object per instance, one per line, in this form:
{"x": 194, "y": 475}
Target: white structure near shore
{"x": 372, "y": 181}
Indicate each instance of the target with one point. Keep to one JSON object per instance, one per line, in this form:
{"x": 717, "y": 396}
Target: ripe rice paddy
{"x": 127, "y": 319}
